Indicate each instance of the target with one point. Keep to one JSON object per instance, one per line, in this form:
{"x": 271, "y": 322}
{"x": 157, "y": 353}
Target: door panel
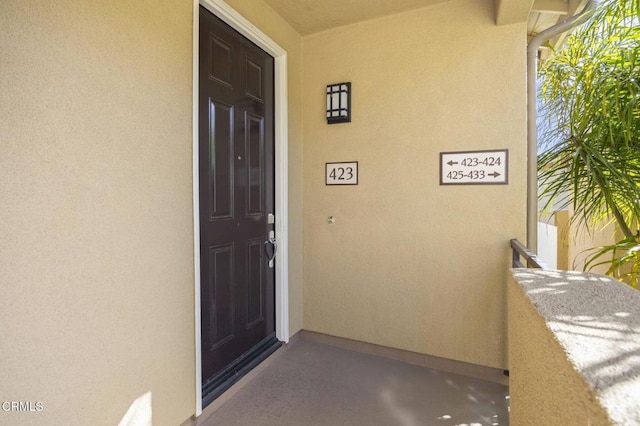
{"x": 222, "y": 314}
{"x": 254, "y": 80}
{"x": 255, "y": 272}
{"x": 220, "y": 60}
{"x": 236, "y": 194}
{"x": 254, "y": 126}
{"x": 221, "y": 164}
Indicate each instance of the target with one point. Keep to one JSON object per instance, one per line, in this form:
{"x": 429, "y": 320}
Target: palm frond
{"x": 589, "y": 149}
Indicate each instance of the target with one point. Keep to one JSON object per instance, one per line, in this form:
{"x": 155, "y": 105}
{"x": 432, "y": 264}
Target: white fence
{"x": 548, "y": 244}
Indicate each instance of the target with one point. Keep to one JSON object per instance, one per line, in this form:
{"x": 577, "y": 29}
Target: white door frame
{"x": 223, "y": 11}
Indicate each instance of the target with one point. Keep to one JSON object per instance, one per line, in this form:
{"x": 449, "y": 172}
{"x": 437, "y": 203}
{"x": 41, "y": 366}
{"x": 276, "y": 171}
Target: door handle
{"x": 271, "y": 241}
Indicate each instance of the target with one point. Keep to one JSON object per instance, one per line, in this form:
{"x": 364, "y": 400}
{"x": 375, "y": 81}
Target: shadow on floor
{"x": 314, "y": 384}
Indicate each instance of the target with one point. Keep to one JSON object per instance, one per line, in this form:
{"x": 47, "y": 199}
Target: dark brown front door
{"x": 236, "y": 196}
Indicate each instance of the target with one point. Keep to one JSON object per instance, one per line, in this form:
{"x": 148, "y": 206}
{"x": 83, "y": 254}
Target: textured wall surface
{"x": 96, "y": 239}
{"x": 409, "y": 263}
{"x": 573, "y": 345}
{"x": 581, "y": 243}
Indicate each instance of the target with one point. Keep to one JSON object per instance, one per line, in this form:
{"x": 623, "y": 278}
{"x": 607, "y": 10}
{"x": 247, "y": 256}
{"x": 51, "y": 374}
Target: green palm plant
{"x": 590, "y": 149}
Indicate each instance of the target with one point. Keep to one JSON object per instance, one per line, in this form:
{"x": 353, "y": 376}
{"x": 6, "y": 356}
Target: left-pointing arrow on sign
{"x": 451, "y": 163}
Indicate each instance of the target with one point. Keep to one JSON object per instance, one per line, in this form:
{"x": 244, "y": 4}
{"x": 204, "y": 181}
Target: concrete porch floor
{"x": 310, "y": 383}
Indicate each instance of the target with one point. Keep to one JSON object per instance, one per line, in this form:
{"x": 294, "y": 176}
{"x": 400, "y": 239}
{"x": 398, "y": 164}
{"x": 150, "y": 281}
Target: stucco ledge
{"x": 595, "y": 322}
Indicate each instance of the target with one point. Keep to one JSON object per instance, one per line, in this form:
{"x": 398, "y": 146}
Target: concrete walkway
{"x": 311, "y": 383}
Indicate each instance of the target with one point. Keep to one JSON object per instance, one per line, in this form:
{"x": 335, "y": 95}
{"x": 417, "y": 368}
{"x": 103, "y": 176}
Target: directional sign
{"x": 474, "y": 167}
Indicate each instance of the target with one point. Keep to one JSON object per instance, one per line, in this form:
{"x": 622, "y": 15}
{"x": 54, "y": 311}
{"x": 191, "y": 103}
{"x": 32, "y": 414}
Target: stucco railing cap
{"x": 596, "y": 319}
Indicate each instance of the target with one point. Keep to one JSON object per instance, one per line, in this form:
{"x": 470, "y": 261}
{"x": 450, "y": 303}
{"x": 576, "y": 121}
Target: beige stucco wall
{"x": 581, "y": 244}
{"x": 96, "y": 235}
{"x": 409, "y": 263}
{"x": 545, "y": 385}
{"x": 96, "y": 228}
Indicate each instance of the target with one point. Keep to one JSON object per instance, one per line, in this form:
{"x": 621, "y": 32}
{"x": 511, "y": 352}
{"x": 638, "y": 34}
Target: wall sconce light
{"x": 339, "y": 103}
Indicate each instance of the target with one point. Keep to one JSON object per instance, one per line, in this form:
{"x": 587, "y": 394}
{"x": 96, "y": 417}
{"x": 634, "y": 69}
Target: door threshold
{"x": 238, "y": 369}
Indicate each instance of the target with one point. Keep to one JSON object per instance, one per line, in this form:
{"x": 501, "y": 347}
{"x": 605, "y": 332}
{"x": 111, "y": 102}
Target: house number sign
{"x": 474, "y": 167}
{"x": 341, "y": 173}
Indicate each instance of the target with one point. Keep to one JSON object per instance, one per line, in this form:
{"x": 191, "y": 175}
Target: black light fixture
{"x": 339, "y": 103}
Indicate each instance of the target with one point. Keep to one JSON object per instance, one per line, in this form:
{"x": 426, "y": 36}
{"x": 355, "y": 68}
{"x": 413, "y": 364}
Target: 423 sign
{"x": 474, "y": 167}
{"x": 345, "y": 173}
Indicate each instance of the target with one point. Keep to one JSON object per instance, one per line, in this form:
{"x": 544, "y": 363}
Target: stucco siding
{"x": 96, "y": 229}
{"x": 409, "y": 263}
